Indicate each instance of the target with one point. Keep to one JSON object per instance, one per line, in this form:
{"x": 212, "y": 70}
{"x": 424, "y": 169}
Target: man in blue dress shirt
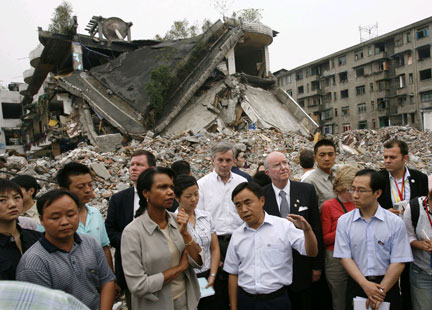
{"x": 259, "y": 256}
{"x": 373, "y": 244}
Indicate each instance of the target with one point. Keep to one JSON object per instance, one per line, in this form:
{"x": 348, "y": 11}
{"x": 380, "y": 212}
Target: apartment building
{"x": 385, "y": 81}
{"x": 10, "y": 122}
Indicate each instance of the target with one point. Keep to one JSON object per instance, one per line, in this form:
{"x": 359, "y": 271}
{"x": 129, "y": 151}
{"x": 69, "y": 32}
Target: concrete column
{"x": 267, "y": 61}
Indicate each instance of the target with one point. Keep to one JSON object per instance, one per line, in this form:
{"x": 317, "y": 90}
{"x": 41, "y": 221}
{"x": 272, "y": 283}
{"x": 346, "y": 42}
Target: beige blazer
{"x": 145, "y": 255}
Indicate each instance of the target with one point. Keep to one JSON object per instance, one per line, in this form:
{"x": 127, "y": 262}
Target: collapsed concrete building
{"x": 106, "y": 88}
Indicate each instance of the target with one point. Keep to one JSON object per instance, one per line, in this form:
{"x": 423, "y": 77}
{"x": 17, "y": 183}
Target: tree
{"x": 181, "y": 29}
{"x": 248, "y": 15}
{"x": 61, "y": 18}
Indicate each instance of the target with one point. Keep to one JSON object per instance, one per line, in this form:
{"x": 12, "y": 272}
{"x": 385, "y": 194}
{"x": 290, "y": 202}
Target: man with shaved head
{"x": 283, "y": 197}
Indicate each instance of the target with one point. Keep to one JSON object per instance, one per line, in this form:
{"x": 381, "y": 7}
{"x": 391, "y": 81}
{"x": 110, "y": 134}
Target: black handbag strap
{"x": 343, "y": 207}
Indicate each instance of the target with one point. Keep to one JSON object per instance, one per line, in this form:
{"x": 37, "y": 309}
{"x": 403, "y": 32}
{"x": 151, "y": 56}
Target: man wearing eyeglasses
{"x": 372, "y": 244}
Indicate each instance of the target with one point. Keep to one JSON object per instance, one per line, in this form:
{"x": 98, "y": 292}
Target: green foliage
{"x": 182, "y": 29}
{"x": 158, "y": 89}
{"x": 248, "y": 15}
{"x": 61, "y": 18}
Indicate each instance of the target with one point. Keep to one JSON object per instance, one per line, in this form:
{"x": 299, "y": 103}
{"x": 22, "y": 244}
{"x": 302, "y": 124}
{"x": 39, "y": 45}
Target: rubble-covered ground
{"x": 363, "y": 148}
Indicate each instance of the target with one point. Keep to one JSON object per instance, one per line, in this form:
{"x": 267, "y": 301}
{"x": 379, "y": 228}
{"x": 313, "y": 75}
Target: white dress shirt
{"x": 286, "y": 189}
{"x": 394, "y": 193}
{"x": 262, "y": 258}
{"x": 136, "y": 201}
{"x": 215, "y": 198}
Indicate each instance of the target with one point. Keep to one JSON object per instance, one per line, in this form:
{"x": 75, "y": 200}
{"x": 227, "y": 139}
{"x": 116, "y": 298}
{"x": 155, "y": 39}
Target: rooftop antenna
{"x": 368, "y": 32}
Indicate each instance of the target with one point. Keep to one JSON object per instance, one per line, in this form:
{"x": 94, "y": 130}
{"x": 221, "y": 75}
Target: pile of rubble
{"x": 358, "y": 147}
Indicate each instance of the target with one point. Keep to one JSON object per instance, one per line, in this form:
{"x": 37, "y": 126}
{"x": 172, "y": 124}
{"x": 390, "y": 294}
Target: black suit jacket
{"x": 120, "y": 214}
{"x": 301, "y": 195}
{"x": 418, "y": 182}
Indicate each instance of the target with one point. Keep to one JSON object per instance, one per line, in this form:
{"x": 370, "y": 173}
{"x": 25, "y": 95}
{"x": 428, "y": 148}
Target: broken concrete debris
{"x": 363, "y": 148}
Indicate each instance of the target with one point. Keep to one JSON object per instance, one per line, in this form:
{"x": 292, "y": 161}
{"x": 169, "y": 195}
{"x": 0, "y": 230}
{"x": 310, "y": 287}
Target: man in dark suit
{"x": 121, "y": 211}
{"x": 284, "y": 197}
{"x": 401, "y": 185}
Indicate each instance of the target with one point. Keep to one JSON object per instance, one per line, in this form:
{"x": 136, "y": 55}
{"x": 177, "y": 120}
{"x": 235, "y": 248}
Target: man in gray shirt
{"x": 65, "y": 261}
{"x": 322, "y": 177}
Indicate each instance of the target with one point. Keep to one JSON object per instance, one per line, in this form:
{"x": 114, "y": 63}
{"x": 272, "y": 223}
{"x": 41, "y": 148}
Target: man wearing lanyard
{"x": 401, "y": 185}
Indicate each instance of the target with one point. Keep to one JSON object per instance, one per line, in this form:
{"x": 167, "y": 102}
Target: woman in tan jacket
{"x": 158, "y": 253}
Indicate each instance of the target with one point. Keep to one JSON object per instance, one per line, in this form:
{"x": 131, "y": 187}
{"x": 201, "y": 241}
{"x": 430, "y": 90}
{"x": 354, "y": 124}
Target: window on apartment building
{"x": 399, "y": 61}
{"x": 345, "y": 111}
{"x": 423, "y": 52}
{"x": 301, "y": 103}
{"x": 344, "y": 93}
{"x": 361, "y": 107}
{"x": 379, "y": 47}
{"x": 328, "y": 129}
{"x": 371, "y": 87}
{"x": 372, "y": 106}
{"x": 11, "y": 110}
{"x": 335, "y": 112}
{"x": 342, "y": 60}
{"x": 382, "y": 66}
{"x": 307, "y": 87}
{"x": 373, "y": 123}
{"x": 289, "y": 92}
{"x": 346, "y": 127}
{"x": 13, "y": 136}
{"x": 384, "y": 121}
{"x": 334, "y": 96}
{"x": 362, "y": 125}
{"x": 422, "y": 33}
{"x": 358, "y": 55}
{"x": 402, "y": 101}
{"x": 299, "y": 75}
{"x": 359, "y": 72}
{"x": 370, "y": 50}
{"x": 411, "y": 98}
{"x": 315, "y": 85}
{"x": 285, "y": 79}
{"x": 327, "y": 114}
{"x": 383, "y": 85}
{"x": 343, "y": 77}
{"x": 308, "y": 72}
{"x": 300, "y": 90}
{"x": 426, "y": 96}
{"x": 425, "y": 74}
{"x": 410, "y": 77}
{"x": 326, "y": 98}
{"x": 398, "y": 40}
{"x": 360, "y": 90}
{"x": 381, "y": 104}
{"x": 408, "y": 37}
{"x": 402, "y": 82}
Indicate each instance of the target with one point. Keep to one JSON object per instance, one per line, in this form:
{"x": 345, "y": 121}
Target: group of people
{"x": 257, "y": 243}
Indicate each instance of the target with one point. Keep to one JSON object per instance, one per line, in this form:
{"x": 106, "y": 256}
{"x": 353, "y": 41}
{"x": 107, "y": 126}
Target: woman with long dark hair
{"x": 158, "y": 253}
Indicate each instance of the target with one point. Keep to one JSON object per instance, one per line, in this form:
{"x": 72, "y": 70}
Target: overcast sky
{"x": 308, "y": 29}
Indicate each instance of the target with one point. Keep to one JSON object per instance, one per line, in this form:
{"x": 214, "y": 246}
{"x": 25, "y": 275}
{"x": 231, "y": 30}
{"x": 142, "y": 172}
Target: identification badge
{"x": 401, "y": 206}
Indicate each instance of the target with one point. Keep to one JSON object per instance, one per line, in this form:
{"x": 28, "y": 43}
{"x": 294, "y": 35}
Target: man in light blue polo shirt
{"x": 259, "y": 257}
{"x": 373, "y": 244}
